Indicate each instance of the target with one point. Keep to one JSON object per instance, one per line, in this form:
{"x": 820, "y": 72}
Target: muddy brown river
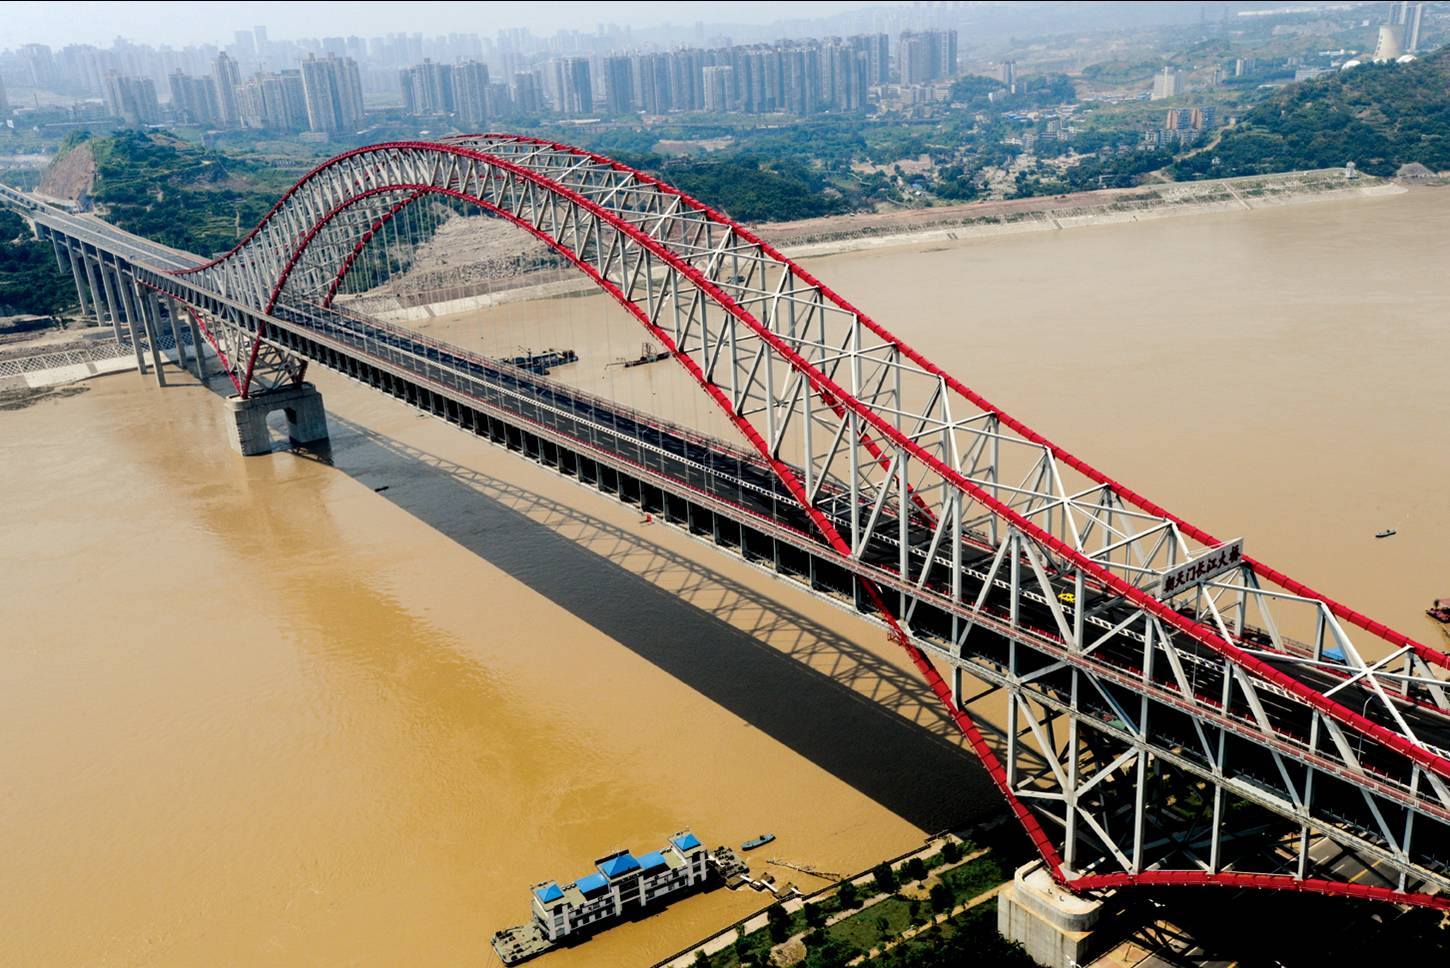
{"x": 289, "y": 711}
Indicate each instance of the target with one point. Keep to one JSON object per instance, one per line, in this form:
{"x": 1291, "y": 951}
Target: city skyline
{"x": 178, "y": 24}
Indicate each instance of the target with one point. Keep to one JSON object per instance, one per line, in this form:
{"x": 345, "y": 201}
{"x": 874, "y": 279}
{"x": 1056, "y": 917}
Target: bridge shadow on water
{"x": 868, "y": 722}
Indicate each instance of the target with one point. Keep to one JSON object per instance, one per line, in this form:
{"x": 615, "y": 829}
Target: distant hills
{"x": 1379, "y": 116}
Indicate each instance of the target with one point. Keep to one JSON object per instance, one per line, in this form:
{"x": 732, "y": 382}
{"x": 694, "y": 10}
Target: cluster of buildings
{"x": 323, "y": 95}
{"x": 1181, "y": 126}
{"x": 319, "y": 86}
{"x": 804, "y": 77}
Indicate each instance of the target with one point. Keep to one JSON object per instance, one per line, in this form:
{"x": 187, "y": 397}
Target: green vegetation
{"x": 970, "y": 938}
{"x": 177, "y": 193}
{"x": 1107, "y": 170}
{"x": 752, "y": 189}
{"x": 882, "y": 920}
{"x": 1379, "y": 116}
{"x": 1035, "y": 91}
{"x": 29, "y": 279}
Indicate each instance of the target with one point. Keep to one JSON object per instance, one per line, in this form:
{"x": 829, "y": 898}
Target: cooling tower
{"x": 1388, "y": 47}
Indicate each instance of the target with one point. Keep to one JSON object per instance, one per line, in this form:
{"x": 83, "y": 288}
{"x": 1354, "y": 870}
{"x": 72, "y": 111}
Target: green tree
{"x": 885, "y": 877}
{"x": 941, "y": 898}
{"x": 916, "y": 869}
{"x": 778, "y": 921}
{"x": 951, "y": 851}
{"x": 834, "y": 953}
{"x": 815, "y": 915}
{"x": 702, "y": 960}
{"x": 29, "y": 280}
{"x": 847, "y": 895}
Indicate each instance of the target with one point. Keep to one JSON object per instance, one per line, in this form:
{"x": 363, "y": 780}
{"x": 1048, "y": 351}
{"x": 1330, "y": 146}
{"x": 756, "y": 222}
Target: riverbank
{"x": 839, "y": 234}
{"x": 851, "y": 233}
{"x": 865, "y": 914}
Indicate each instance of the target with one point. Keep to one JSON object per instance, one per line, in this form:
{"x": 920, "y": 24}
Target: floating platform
{"x": 520, "y": 943}
{"x": 542, "y": 362}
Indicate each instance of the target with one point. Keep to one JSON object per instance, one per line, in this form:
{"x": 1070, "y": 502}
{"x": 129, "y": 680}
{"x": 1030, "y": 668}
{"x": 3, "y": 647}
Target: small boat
{"x": 1440, "y": 614}
{"x": 1387, "y": 532}
{"x": 755, "y": 842}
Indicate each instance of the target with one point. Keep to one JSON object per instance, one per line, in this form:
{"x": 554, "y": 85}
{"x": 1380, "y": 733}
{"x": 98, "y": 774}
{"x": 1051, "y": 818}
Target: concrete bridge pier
{"x": 306, "y": 418}
{"x": 1053, "y": 925}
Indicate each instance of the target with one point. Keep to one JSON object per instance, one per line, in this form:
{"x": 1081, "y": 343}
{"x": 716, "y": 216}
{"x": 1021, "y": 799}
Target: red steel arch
{"x": 496, "y": 172}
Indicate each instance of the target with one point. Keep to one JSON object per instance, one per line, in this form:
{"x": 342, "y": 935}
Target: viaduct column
{"x": 98, "y": 294}
{"x": 148, "y": 325}
{"x": 69, "y": 259}
{"x": 87, "y": 297}
{"x": 112, "y": 305}
{"x": 155, "y": 304}
{"x": 197, "y": 346}
{"x": 127, "y": 312}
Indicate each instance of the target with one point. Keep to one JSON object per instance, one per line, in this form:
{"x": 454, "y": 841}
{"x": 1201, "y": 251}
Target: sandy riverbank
{"x": 851, "y": 233}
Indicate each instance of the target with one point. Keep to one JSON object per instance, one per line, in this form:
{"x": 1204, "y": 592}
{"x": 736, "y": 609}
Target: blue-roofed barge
{"x": 619, "y": 885}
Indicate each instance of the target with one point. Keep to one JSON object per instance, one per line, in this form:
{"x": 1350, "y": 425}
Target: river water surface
{"x": 301, "y": 711}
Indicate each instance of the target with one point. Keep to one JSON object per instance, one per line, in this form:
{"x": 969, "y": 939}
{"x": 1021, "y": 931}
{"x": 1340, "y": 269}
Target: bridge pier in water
{"x": 306, "y": 418}
{"x": 1053, "y": 925}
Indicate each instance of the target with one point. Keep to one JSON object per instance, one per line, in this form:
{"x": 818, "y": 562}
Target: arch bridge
{"x": 1169, "y": 710}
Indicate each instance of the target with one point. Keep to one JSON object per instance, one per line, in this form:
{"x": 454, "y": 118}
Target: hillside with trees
{"x": 1379, "y": 116}
{"x": 29, "y": 279}
{"x": 175, "y": 192}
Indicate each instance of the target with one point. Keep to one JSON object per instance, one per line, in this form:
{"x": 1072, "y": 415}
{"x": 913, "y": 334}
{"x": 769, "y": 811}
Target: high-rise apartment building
{"x": 428, "y": 88}
{"x": 227, "y": 77}
{"x": 1167, "y": 83}
{"x": 719, "y": 89}
{"x": 926, "y": 56}
{"x": 1007, "y": 74}
{"x": 845, "y": 72}
{"x": 572, "y": 86}
{"x": 528, "y": 93}
{"x": 39, "y": 65}
{"x": 1408, "y": 17}
{"x": 332, "y": 89}
{"x": 471, "y": 95}
{"x": 193, "y": 99}
{"x": 655, "y": 80}
{"x": 619, "y": 95}
{"x": 132, "y": 99}
{"x": 877, "y": 48}
{"x": 273, "y": 102}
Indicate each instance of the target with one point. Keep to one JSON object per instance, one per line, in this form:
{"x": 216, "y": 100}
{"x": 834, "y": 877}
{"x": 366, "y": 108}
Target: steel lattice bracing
{"x": 1232, "y": 726}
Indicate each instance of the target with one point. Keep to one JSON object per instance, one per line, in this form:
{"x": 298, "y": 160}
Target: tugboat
{"x": 755, "y": 842}
{"x": 1386, "y": 533}
{"x": 1439, "y": 610}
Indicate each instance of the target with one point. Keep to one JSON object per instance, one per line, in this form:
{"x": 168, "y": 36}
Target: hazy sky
{"x": 178, "y": 24}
